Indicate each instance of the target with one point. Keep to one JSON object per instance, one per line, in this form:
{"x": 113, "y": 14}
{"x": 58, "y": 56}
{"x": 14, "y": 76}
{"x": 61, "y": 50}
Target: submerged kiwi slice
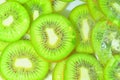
{"x": 21, "y": 62}
{"x": 112, "y": 69}
{"x": 58, "y": 73}
{"x": 111, "y": 9}
{"x": 84, "y": 23}
{"x": 14, "y": 21}
{"x": 94, "y": 9}
{"x": 83, "y": 67}
{"x": 38, "y": 7}
{"x": 106, "y": 40}
{"x": 53, "y": 36}
{"x": 20, "y": 1}
{"x": 58, "y": 5}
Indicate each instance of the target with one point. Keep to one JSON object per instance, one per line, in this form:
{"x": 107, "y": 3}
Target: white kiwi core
{"x": 85, "y": 30}
{"x": 84, "y": 74}
{"x": 23, "y": 63}
{"x": 8, "y": 21}
{"x": 52, "y": 36}
{"x": 35, "y": 14}
{"x": 116, "y": 6}
{"x": 116, "y": 45}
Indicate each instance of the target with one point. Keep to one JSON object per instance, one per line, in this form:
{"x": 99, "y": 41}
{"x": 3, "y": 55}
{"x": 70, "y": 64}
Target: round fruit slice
{"x": 111, "y": 9}
{"x": 21, "y": 62}
{"x": 84, "y": 23}
{"x": 112, "y": 70}
{"x": 53, "y": 37}
{"x": 94, "y": 9}
{"x": 38, "y": 7}
{"x": 83, "y": 67}
{"x": 106, "y": 40}
{"x": 14, "y": 21}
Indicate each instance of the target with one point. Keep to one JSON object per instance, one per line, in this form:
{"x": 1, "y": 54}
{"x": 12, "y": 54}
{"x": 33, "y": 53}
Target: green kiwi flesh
{"x": 37, "y": 8}
{"x": 112, "y": 69}
{"x": 84, "y": 23}
{"x": 53, "y": 37}
{"x": 81, "y": 66}
{"x": 14, "y": 21}
{"x": 105, "y": 40}
{"x": 21, "y": 62}
{"x": 58, "y": 73}
{"x": 20, "y": 1}
{"x": 58, "y": 5}
{"x": 94, "y": 9}
{"x": 111, "y": 9}
{"x": 2, "y": 46}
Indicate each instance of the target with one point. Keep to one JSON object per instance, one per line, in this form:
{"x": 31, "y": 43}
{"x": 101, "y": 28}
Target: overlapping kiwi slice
{"x": 58, "y": 73}
{"x": 21, "y": 62}
{"x": 81, "y": 66}
{"x": 106, "y": 40}
{"x": 94, "y": 9}
{"x": 38, "y": 7}
{"x": 111, "y": 9}
{"x": 84, "y": 23}
{"x": 53, "y": 37}
{"x": 14, "y": 21}
{"x": 112, "y": 69}
{"x": 58, "y": 5}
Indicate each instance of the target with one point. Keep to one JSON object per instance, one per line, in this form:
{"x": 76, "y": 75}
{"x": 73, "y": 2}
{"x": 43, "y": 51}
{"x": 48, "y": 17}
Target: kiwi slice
{"x": 58, "y": 5}
{"x": 94, "y": 9}
{"x": 53, "y": 37}
{"x": 81, "y": 66}
{"x": 111, "y": 9}
{"x": 37, "y": 8}
{"x": 112, "y": 69}
{"x": 14, "y": 21}
{"x": 21, "y": 62}
{"x": 58, "y": 73}
{"x": 20, "y": 1}
{"x": 84, "y": 23}
{"x": 106, "y": 40}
